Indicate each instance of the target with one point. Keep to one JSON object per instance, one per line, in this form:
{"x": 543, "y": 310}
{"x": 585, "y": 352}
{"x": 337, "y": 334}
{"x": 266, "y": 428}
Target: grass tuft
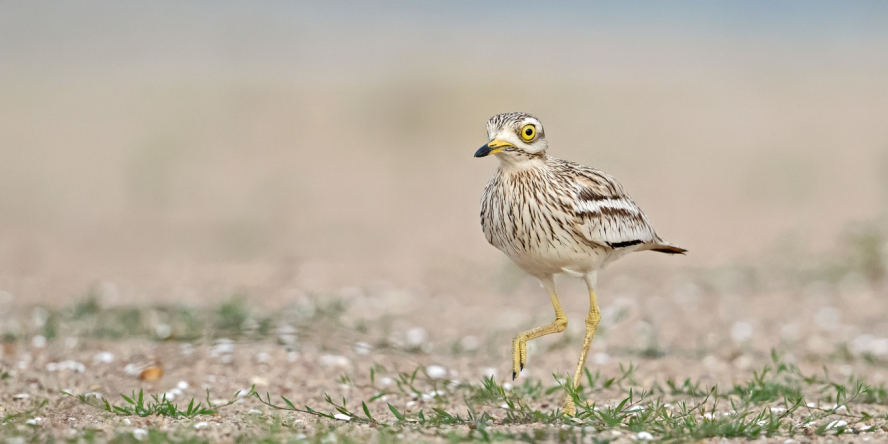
{"x": 139, "y": 405}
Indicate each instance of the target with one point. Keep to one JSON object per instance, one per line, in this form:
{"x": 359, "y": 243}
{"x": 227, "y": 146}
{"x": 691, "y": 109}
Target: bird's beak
{"x": 495, "y": 146}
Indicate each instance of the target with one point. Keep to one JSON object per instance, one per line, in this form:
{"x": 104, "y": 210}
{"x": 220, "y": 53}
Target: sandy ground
{"x": 713, "y": 326}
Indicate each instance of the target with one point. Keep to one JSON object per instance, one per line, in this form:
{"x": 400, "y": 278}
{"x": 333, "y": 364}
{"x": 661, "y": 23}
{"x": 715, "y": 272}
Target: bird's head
{"x": 514, "y": 137}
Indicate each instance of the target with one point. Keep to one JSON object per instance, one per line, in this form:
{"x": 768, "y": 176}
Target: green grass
{"x": 774, "y": 402}
{"x": 138, "y": 404}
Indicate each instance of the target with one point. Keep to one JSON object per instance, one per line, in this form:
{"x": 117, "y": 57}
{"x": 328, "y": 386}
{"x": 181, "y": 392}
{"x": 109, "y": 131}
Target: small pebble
{"x": 416, "y": 336}
{"x": 103, "y": 358}
{"x": 287, "y": 334}
{"x": 162, "y": 331}
{"x": 362, "y": 348}
{"x": 140, "y": 434}
{"x": 72, "y": 365}
{"x": 436, "y": 371}
{"x": 200, "y": 425}
{"x": 223, "y": 345}
{"x": 38, "y": 341}
{"x": 837, "y": 423}
{"x": 151, "y": 374}
{"x": 342, "y": 417}
{"x": 334, "y": 361}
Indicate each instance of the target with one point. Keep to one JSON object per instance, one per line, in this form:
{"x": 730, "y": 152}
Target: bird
{"x": 553, "y": 216}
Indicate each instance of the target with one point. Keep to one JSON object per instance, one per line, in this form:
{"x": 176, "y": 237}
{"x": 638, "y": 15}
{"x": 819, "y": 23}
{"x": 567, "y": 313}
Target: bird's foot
{"x": 569, "y": 408}
{"x": 519, "y": 355}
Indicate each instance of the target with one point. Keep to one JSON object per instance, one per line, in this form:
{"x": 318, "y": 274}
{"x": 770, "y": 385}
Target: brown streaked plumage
{"x": 553, "y": 216}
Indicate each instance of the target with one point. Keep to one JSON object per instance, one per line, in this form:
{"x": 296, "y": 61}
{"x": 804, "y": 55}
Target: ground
{"x": 767, "y": 353}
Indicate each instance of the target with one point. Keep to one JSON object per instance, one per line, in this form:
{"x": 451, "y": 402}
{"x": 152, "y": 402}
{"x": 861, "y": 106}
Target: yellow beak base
{"x": 496, "y": 143}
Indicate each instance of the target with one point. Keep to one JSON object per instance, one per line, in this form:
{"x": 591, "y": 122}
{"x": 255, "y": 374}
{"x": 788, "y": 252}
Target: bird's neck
{"x": 513, "y": 164}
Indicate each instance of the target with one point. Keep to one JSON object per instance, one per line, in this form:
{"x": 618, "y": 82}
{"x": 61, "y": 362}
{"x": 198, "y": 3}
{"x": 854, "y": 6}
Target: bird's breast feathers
{"x": 559, "y": 211}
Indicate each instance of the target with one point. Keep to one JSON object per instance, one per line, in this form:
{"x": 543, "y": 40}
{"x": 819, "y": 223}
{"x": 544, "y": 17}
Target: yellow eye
{"x": 528, "y": 132}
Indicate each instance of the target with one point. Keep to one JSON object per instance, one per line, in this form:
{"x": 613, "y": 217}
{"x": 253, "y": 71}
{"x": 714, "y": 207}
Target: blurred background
{"x": 175, "y": 151}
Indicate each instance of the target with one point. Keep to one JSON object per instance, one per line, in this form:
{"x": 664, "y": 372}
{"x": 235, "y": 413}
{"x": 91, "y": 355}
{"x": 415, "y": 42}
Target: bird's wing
{"x": 604, "y": 213}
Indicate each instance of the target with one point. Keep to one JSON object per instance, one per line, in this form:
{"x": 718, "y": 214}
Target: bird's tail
{"x": 666, "y": 247}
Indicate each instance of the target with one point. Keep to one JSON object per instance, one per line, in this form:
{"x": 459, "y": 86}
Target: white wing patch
{"x": 596, "y": 206}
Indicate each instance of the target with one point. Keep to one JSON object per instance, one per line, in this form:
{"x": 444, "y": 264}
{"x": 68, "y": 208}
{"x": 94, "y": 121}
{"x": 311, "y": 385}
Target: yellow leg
{"x": 592, "y": 321}
{"x": 519, "y": 343}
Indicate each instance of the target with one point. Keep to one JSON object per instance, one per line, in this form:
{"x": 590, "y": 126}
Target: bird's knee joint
{"x": 560, "y": 324}
{"x": 593, "y": 319}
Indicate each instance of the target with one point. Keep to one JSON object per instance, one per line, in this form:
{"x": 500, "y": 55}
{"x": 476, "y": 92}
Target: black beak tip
{"x": 483, "y": 151}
